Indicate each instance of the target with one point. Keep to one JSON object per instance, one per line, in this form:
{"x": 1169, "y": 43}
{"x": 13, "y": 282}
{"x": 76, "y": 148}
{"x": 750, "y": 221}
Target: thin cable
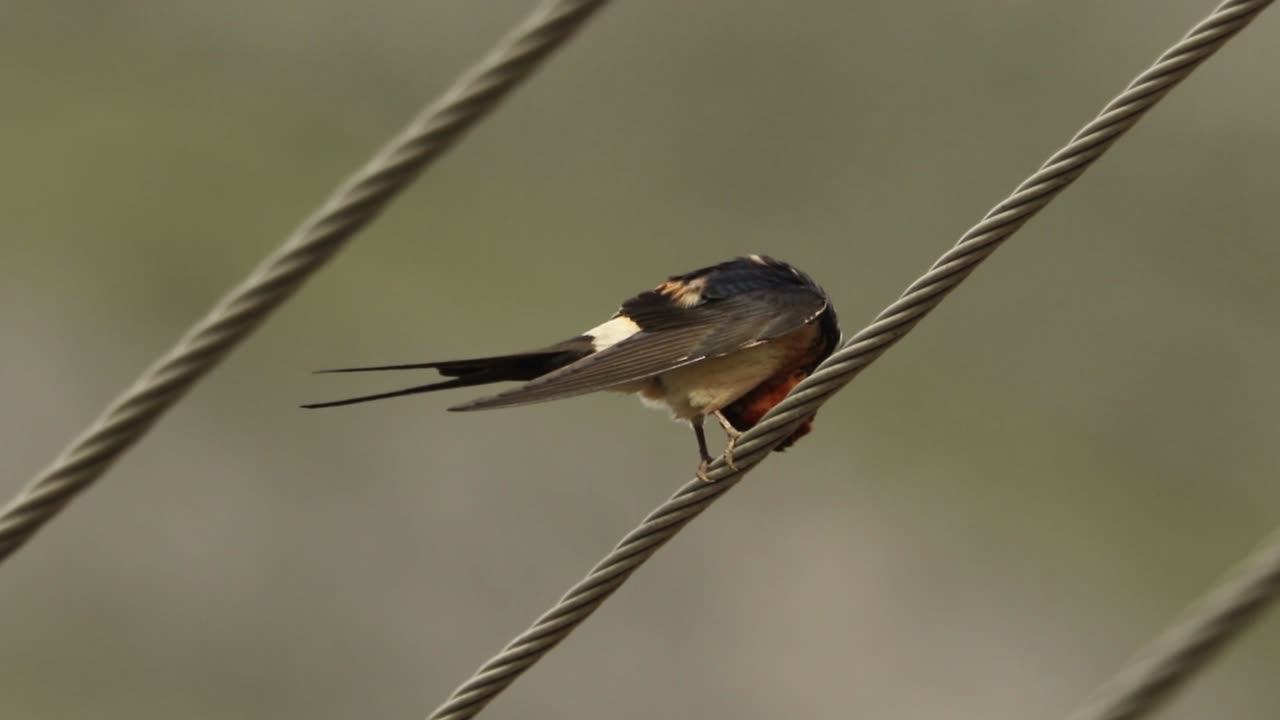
{"x": 888, "y": 328}
{"x": 1168, "y": 662}
{"x": 355, "y": 203}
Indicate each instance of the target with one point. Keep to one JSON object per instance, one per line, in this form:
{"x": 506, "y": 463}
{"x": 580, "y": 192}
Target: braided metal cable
{"x": 887, "y": 329}
{"x": 1159, "y": 670}
{"x": 356, "y": 202}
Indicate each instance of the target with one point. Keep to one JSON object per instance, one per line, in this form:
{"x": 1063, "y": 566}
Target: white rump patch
{"x": 612, "y": 332}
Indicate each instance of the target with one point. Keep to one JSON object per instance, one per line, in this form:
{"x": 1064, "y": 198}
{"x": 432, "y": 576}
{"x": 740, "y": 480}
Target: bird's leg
{"x": 733, "y": 434}
{"x": 702, "y": 448}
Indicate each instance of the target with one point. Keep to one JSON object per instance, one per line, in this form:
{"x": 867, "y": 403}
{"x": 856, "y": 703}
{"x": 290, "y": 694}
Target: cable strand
{"x": 1151, "y": 677}
{"x": 357, "y": 201}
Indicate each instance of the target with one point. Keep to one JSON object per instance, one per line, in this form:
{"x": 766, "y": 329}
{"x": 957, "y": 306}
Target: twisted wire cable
{"x": 1186, "y": 647}
{"x": 862, "y": 349}
{"x": 356, "y": 202}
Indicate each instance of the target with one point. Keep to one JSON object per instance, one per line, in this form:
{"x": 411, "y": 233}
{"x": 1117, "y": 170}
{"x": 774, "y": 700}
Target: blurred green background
{"x": 985, "y": 524}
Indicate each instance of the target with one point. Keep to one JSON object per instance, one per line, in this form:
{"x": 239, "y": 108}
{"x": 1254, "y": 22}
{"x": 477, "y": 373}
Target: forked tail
{"x": 465, "y": 373}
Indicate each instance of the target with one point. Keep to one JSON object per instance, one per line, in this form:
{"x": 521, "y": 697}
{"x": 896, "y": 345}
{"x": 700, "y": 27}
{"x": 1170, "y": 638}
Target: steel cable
{"x": 862, "y": 349}
{"x": 1159, "y": 670}
{"x": 356, "y": 202}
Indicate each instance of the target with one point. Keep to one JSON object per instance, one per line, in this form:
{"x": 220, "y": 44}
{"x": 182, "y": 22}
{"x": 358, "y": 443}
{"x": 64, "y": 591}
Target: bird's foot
{"x": 728, "y": 452}
{"x": 705, "y": 466}
{"x": 702, "y": 471}
{"x": 727, "y": 426}
{"x": 733, "y": 434}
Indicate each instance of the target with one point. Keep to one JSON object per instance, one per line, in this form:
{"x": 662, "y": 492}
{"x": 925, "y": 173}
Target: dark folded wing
{"x": 670, "y": 337}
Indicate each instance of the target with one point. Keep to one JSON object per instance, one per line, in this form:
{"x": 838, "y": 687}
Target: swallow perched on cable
{"x": 729, "y": 340}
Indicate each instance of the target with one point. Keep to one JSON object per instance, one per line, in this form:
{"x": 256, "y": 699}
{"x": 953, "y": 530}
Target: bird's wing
{"x": 671, "y": 336}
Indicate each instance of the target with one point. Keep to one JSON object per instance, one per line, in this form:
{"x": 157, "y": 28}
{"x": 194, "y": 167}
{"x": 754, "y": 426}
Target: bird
{"x": 729, "y": 340}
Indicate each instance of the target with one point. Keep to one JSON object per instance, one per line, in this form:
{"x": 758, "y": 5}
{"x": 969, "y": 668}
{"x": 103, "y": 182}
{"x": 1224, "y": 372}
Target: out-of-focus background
{"x": 985, "y": 524}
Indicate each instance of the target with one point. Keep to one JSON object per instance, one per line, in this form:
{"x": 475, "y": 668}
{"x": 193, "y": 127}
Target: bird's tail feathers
{"x": 466, "y": 373}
